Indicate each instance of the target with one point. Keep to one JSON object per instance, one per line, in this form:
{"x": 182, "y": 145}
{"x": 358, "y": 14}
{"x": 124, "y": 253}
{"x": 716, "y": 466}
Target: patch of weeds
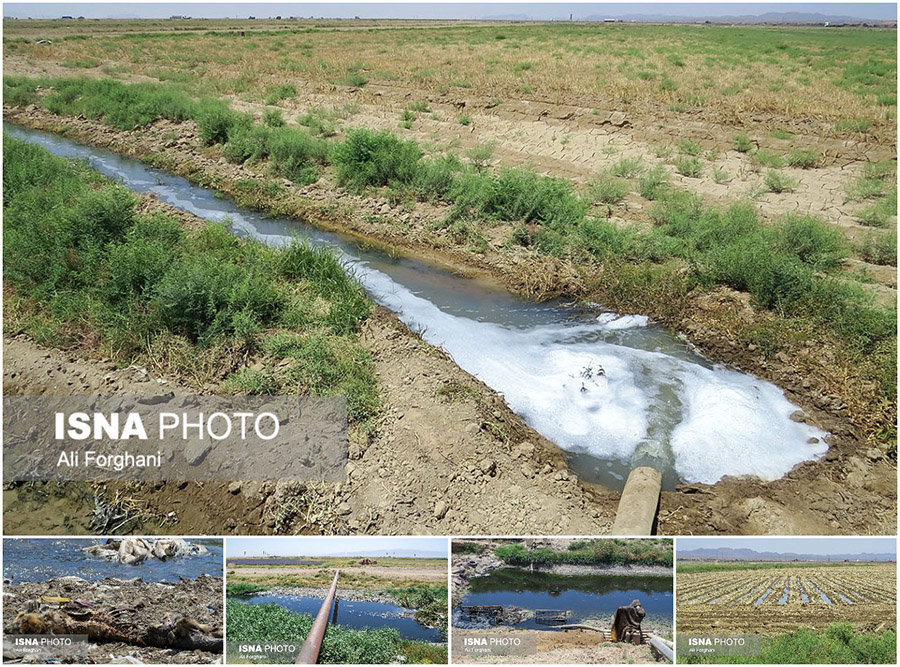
{"x": 273, "y": 118}
{"x": 481, "y": 155}
{"x": 778, "y": 182}
{"x": 880, "y": 213}
{"x": 763, "y": 158}
{"x": 294, "y": 154}
{"x": 653, "y": 182}
{"x": 455, "y": 392}
{"x": 464, "y": 119}
{"x": 802, "y": 159}
{"x": 216, "y": 120}
{"x": 281, "y": 92}
{"x": 688, "y": 165}
{"x": 608, "y": 189}
{"x": 860, "y": 125}
{"x": 812, "y": 241}
{"x": 368, "y": 158}
{"x": 880, "y": 248}
{"x": 688, "y": 147}
{"x": 627, "y": 167}
{"x": 721, "y": 176}
{"x": 406, "y": 119}
{"x": 319, "y": 121}
{"x": 354, "y": 79}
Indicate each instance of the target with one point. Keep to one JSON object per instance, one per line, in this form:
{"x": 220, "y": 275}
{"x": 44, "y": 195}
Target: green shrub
{"x": 216, "y": 120}
{"x": 689, "y": 166}
{"x": 653, "y": 183}
{"x": 628, "y": 167}
{"x": 435, "y": 177}
{"x": 516, "y": 195}
{"x": 202, "y": 297}
{"x": 139, "y": 262}
{"x": 121, "y": 105}
{"x": 777, "y": 182}
{"x": 294, "y": 154}
{"x": 802, "y": 159}
{"x": 721, "y": 176}
{"x": 273, "y": 118}
{"x": 281, "y": 92}
{"x": 880, "y": 248}
{"x": 608, "y": 189}
{"x": 689, "y": 147}
{"x": 742, "y": 143}
{"x": 369, "y": 158}
{"x": 812, "y": 241}
{"x": 328, "y": 278}
{"x": 247, "y": 143}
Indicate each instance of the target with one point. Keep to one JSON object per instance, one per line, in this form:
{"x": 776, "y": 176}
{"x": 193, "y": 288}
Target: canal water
{"x": 356, "y": 614}
{"x": 612, "y": 391}
{"x": 591, "y": 599}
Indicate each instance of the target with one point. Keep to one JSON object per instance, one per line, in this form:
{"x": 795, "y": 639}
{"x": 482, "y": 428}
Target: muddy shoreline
{"x": 734, "y": 505}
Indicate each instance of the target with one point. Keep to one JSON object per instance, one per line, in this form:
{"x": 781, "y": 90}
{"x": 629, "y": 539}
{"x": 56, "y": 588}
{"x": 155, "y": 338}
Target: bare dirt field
{"x": 574, "y": 647}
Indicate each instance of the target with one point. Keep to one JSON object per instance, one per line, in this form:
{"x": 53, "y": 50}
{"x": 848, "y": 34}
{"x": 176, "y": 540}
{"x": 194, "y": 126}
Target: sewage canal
{"x": 355, "y": 614}
{"x": 612, "y": 391}
{"x": 590, "y": 599}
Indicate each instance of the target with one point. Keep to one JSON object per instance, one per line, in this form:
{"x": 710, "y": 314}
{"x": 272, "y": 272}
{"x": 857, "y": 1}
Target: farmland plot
{"x": 782, "y": 599}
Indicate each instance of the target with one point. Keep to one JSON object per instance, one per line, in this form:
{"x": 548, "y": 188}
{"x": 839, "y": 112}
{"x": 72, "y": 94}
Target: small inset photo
{"x": 562, "y": 600}
{"x": 787, "y": 600}
{"x": 118, "y": 600}
{"x": 337, "y": 600}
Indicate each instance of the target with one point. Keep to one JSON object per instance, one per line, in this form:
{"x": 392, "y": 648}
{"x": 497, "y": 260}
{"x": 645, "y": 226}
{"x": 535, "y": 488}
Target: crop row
{"x": 789, "y": 586}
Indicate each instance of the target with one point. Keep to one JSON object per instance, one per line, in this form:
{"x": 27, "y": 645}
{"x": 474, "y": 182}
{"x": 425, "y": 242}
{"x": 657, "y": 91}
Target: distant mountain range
{"x": 729, "y": 553}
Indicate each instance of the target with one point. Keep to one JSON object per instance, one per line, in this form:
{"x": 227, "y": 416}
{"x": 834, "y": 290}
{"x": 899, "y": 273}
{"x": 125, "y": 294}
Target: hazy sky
{"x": 439, "y": 10}
{"x": 799, "y": 545}
{"x": 324, "y": 546}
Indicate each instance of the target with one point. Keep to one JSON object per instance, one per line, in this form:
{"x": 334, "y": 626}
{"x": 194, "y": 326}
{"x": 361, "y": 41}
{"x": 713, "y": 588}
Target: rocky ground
{"x": 478, "y": 482}
{"x": 575, "y": 647}
{"x": 134, "y": 603}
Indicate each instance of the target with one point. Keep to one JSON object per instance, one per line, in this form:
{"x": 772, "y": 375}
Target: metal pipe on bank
{"x": 309, "y": 653}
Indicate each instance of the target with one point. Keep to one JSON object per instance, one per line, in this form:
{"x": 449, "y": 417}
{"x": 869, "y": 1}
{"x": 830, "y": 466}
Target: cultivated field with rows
{"x": 769, "y": 600}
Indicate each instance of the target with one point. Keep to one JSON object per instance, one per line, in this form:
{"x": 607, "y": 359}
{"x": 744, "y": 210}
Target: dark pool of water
{"x": 356, "y": 615}
{"x": 33, "y": 559}
{"x": 591, "y": 598}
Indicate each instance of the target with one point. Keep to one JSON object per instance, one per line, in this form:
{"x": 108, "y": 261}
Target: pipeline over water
{"x": 613, "y": 392}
